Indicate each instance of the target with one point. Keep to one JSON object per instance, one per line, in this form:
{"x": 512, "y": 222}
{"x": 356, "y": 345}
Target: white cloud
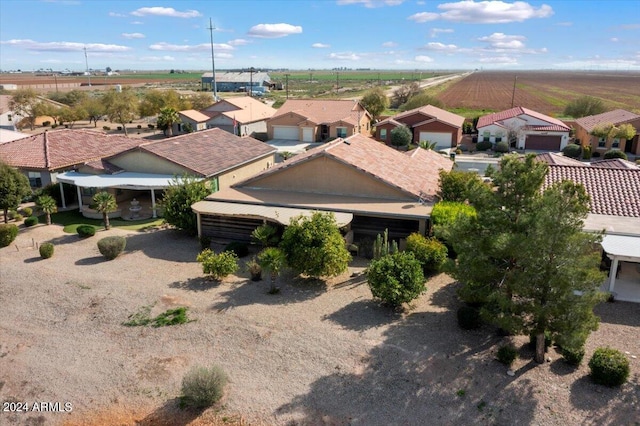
{"x": 504, "y": 41}
{"x": 423, "y": 17}
{"x": 162, "y": 46}
{"x": 165, "y": 11}
{"x": 492, "y": 12}
{"x": 435, "y": 31}
{"x": 137, "y": 23}
{"x": 320, "y": 45}
{"x": 238, "y": 42}
{"x": 64, "y": 46}
{"x": 499, "y": 60}
{"x": 440, "y": 47}
{"x": 117, "y": 15}
{"x": 345, "y": 56}
{"x": 614, "y": 39}
{"x": 422, "y": 58}
{"x": 274, "y": 30}
{"x": 133, "y": 35}
{"x": 389, "y": 44}
{"x": 371, "y": 3}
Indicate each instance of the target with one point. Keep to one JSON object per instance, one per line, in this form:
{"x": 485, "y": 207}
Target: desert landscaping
{"x": 318, "y": 353}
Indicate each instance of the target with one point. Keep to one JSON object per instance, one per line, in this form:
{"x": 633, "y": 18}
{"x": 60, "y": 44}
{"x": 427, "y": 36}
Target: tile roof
{"x": 323, "y": 111}
{"x": 614, "y": 192}
{"x": 552, "y": 128}
{"x": 615, "y": 163}
{"x": 446, "y": 117}
{"x": 615, "y": 117}
{"x": 248, "y": 109}
{"x": 4, "y": 103}
{"x": 194, "y": 115}
{"x": 104, "y": 166}
{"x": 59, "y": 149}
{"x": 415, "y": 172}
{"x": 515, "y": 112}
{"x": 208, "y": 152}
{"x": 559, "y": 160}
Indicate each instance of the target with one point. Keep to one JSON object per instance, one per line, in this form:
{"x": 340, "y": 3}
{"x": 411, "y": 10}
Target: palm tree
{"x": 47, "y": 204}
{"x": 167, "y": 118}
{"x": 272, "y": 260}
{"x": 428, "y": 145}
{"x": 105, "y": 204}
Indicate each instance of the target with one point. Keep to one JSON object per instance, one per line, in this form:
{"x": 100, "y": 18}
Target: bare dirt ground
{"x": 316, "y": 354}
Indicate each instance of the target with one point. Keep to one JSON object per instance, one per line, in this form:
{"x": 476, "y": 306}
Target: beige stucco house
{"x": 585, "y": 125}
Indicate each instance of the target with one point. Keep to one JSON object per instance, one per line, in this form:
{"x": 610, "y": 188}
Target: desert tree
{"x": 402, "y": 94}
{"x": 94, "y": 109}
{"x": 121, "y": 107}
{"x": 419, "y": 100}
{"x": 105, "y": 203}
{"x": 178, "y": 198}
{"x": 200, "y": 101}
{"x": 166, "y": 120}
{"x": 455, "y": 185}
{"x": 584, "y": 106}
{"x": 375, "y": 101}
{"x": 47, "y": 204}
{"x": 23, "y": 103}
{"x": 153, "y": 101}
{"x": 14, "y": 186}
{"x": 400, "y": 136}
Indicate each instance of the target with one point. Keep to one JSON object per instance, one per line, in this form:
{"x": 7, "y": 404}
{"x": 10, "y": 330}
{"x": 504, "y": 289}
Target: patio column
{"x": 64, "y": 204}
{"x": 79, "y": 198}
{"x": 612, "y": 274}
{"x": 153, "y": 203}
{"x": 199, "y": 225}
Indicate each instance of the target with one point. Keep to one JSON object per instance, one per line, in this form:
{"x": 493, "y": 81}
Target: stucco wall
{"x": 231, "y": 177}
{"x": 141, "y": 162}
{"x": 437, "y": 126}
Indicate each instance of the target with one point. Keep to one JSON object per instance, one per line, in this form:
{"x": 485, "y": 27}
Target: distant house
{"x": 368, "y": 185}
{"x": 191, "y": 121}
{"x": 242, "y": 115}
{"x": 524, "y": 129}
{"x": 585, "y": 125}
{"x": 427, "y": 123}
{"x": 237, "y": 81}
{"x": 318, "y": 120}
{"x": 8, "y": 118}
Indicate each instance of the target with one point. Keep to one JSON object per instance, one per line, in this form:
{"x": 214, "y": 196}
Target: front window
{"x": 602, "y": 142}
{"x": 89, "y": 192}
{"x": 341, "y": 132}
{"x": 499, "y": 137}
{"x": 486, "y": 135}
{"x": 615, "y": 143}
{"x": 35, "y": 179}
{"x": 383, "y": 134}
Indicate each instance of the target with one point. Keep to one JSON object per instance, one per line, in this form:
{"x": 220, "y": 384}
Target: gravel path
{"x": 314, "y": 355}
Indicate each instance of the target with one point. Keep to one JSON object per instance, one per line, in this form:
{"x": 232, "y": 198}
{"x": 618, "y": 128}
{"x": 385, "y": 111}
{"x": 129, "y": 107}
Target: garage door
{"x": 443, "y": 140}
{"x": 543, "y": 143}
{"x": 285, "y": 132}
{"x": 307, "y": 134}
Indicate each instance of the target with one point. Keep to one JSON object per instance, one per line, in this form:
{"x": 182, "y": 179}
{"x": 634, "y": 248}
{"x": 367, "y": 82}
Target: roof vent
{"x": 346, "y": 142}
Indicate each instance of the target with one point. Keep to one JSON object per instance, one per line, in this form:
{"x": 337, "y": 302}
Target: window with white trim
{"x": 35, "y": 179}
{"x": 341, "y": 132}
{"x": 602, "y": 141}
{"x": 615, "y": 143}
{"x": 383, "y": 134}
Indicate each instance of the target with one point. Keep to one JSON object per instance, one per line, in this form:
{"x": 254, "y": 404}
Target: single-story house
{"x": 8, "y": 118}
{"x": 524, "y": 129}
{"x": 10, "y": 135}
{"x": 318, "y": 120}
{"x": 427, "y": 123}
{"x": 585, "y": 125}
{"x": 242, "y": 115}
{"x": 257, "y": 81}
{"x": 614, "y": 188}
{"x": 368, "y": 185}
{"x": 190, "y": 121}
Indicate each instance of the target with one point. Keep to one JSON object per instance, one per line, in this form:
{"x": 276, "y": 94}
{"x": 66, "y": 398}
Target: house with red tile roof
{"x": 240, "y": 115}
{"x": 427, "y": 123}
{"x": 191, "y": 120}
{"x": 601, "y": 144}
{"x": 524, "y": 129}
{"x": 368, "y": 185}
{"x": 318, "y": 120}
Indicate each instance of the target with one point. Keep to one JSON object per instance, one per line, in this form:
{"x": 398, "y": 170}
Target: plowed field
{"x": 544, "y": 91}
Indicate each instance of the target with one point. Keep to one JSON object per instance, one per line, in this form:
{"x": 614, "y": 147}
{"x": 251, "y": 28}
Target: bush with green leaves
{"x": 218, "y": 266}
{"x": 31, "y": 221}
{"x": 46, "y": 250}
{"x": 266, "y": 235}
{"x": 573, "y": 356}
{"x": 178, "y": 198}
{"x": 400, "y": 136}
{"x": 17, "y": 217}
{"x": 8, "y": 233}
{"x": 484, "y": 146}
{"x": 111, "y": 247}
{"x": 430, "y": 252}
{"x": 469, "y": 318}
{"x": 572, "y": 150}
{"x": 27, "y": 211}
{"x": 240, "y": 249}
{"x": 507, "y": 354}
{"x": 202, "y": 387}
{"x": 502, "y": 146}
{"x": 86, "y": 231}
{"x": 615, "y": 153}
{"x": 586, "y": 152}
{"x": 396, "y": 278}
{"x": 609, "y": 367}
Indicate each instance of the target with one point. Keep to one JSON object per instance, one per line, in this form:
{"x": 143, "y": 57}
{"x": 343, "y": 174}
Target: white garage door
{"x": 285, "y": 132}
{"x": 307, "y": 134}
{"x": 443, "y": 140}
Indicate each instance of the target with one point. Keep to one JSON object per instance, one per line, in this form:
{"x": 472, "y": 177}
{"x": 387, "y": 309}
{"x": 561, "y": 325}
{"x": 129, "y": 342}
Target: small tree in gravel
{"x": 46, "y": 250}
{"x": 396, "y": 278}
{"x": 218, "y": 266}
{"x": 48, "y": 206}
{"x": 179, "y": 197}
{"x": 272, "y": 260}
{"x": 111, "y": 247}
{"x": 14, "y": 186}
{"x": 8, "y": 233}
{"x": 105, "y": 204}
{"x": 202, "y": 387}
{"x": 609, "y": 367}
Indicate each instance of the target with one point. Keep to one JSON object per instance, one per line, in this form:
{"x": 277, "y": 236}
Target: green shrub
{"x": 573, "y": 356}
{"x": 46, "y": 123}
{"x": 572, "y": 150}
{"x": 27, "y": 211}
{"x": 586, "y": 152}
{"x": 17, "y": 217}
{"x": 53, "y": 126}
{"x": 46, "y": 250}
{"x": 8, "y": 233}
{"x": 484, "y": 146}
{"x": 615, "y": 153}
{"x": 609, "y": 367}
{"x": 502, "y": 146}
{"x": 106, "y": 128}
{"x": 430, "y": 252}
{"x": 596, "y": 154}
{"x": 507, "y": 354}
{"x": 202, "y": 387}
{"x": 31, "y": 221}
{"x": 220, "y": 265}
{"x": 11, "y": 214}
{"x": 240, "y": 249}
{"x": 86, "y": 231}
{"x": 111, "y": 247}
{"x": 254, "y": 269}
{"x": 396, "y": 278}
{"x": 469, "y": 318}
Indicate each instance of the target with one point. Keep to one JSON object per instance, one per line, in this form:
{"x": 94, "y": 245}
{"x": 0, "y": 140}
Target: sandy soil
{"x": 316, "y": 354}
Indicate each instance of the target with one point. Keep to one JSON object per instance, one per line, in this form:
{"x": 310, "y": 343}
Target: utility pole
{"x": 513, "y": 93}
{"x": 286, "y": 79}
{"x": 86, "y": 61}
{"x": 213, "y": 64}
{"x": 251, "y": 70}
{"x": 337, "y": 81}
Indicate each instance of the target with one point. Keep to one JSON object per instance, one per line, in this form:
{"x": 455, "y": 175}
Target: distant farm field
{"x": 547, "y": 92}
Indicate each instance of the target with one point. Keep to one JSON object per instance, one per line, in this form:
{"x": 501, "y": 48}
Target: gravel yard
{"x": 316, "y": 354}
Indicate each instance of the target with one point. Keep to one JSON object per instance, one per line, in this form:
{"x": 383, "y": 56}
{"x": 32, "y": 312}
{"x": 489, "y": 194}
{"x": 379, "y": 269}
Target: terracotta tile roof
{"x": 515, "y": 112}
{"x": 245, "y": 109}
{"x": 559, "y": 160}
{"x": 104, "y": 166}
{"x": 60, "y": 149}
{"x": 431, "y": 111}
{"x": 208, "y": 152}
{"x": 194, "y": 115}
{"x": 614, "y": 192}
{"x": 415, "y": 173}
{"x": 552, "y": 128}
{"x": 4, "y": 103}
{"x": 615, "y": 163}
{"x": 322, "y": 111}
{"x": 615, "y": 117}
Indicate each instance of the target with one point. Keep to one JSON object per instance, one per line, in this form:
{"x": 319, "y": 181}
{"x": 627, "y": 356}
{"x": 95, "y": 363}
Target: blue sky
{"x": 320, "y": 34}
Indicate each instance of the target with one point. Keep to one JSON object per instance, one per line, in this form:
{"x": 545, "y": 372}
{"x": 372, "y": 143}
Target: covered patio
{"x": 624, "y": 274}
